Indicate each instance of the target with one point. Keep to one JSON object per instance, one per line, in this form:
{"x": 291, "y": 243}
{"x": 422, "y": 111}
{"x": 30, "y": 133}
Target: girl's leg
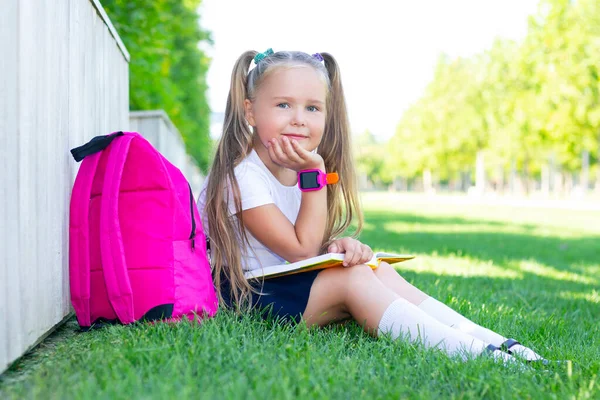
{"x": 339, "y": 293}
{"x": 392, "y": 279}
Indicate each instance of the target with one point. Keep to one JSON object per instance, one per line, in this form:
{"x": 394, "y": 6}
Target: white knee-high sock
{"x": 448, "y": 316}
{"x": 403, "y": 318}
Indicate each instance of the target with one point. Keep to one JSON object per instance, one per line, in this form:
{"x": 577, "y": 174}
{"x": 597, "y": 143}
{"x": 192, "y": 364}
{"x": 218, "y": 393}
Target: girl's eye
{"x": 312, "y": 108}
{"x": 283, "y": 105}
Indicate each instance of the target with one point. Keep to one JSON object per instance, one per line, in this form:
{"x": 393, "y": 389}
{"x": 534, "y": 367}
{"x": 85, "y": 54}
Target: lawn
{"x": 531, "y": 274}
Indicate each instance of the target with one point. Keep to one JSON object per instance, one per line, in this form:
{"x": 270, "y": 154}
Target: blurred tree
{"x": 167, "y": 68}
{"x": 520, "y": 106}
{"x": 370, "y": 159}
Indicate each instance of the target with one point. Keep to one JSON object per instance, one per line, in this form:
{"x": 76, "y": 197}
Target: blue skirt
{"x": 283, "y": 298}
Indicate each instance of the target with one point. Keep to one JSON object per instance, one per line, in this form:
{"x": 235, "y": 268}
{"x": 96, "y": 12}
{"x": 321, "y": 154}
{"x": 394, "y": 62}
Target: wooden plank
{"x": 29, "y": 91}
{"x": 9, "y": 200}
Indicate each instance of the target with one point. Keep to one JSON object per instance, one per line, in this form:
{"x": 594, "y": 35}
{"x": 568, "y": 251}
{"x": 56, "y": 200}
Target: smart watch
{"x": 315, "y": 179}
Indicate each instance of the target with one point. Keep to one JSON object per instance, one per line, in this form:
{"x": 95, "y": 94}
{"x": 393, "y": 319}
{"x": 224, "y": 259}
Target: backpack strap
{"x": 79, "y": 242}
{"x": 116, "y": 277}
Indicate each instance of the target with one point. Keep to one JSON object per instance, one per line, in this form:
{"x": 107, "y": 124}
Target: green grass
{"x": 527, "y": 273}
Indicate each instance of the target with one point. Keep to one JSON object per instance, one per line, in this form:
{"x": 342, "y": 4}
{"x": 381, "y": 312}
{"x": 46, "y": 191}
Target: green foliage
{"x": 370, "y": 159}
{"x": 520, "y": 104}
{"x": 167, "y": 68}
{"x": 525, "y": 273}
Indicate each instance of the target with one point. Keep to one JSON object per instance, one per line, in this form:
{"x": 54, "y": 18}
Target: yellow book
{"x": 323, "y": 261}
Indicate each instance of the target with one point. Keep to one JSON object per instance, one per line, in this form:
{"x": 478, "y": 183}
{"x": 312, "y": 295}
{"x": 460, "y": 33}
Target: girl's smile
{"x": 295, "y": 136}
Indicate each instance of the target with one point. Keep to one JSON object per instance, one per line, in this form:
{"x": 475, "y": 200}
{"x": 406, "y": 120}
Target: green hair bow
{"x": 260, "y": 56}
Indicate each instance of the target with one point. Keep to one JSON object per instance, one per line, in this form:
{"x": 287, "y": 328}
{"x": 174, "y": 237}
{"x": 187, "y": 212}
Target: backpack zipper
{"x": 193, "y": 233}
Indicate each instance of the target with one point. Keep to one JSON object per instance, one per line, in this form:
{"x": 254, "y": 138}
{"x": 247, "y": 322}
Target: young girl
{"x": 286, "y": 115}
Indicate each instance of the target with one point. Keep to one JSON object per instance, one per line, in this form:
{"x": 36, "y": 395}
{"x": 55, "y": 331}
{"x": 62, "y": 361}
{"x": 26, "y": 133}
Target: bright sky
{"x": 386, "y": 49}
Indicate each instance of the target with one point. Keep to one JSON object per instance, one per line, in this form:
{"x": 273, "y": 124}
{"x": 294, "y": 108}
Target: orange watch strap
{"x": 332, "y": 178}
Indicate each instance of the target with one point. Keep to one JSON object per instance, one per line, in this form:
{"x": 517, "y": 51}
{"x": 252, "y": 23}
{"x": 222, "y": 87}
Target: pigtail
{"x": 336, "y": 149}
{"x": 233, "y": 147}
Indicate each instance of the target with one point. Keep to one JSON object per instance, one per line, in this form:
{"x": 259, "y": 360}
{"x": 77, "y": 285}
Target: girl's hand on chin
{"x": 289, "y": 154}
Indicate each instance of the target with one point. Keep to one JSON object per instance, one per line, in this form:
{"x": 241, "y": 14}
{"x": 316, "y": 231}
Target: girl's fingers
{"x": 302, "y": 154}
{"x": 347, "y": 259}
{"x": 346, "y": 248}
{"x": 271, "y": 151}
{"x": 353, "y": 255}
{"x": 367, "y": 253}
{"x": 357, "y": 256}
{"x": 290, "y": 151}
{"x": 360, "y": 255}
{"x": 307, "y": 157}
{"x": 277, "y": 156}
{"x": 333, "y": 248}
{"x": 348, "y": 253}
{"x": 280, "y": 157}
{"x": 357, "y": 253}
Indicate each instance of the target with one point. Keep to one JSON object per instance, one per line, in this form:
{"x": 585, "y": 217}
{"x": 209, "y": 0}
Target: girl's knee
{"x": 386, "y": 269}
{"x": 346, "y": 276}
{"x": 359, "y": 274}
{"x": 332, "y": 285}
{"x": 340, "y": 279}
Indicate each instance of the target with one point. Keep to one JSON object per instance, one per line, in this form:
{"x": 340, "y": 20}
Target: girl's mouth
{"x": 292, "y": 136}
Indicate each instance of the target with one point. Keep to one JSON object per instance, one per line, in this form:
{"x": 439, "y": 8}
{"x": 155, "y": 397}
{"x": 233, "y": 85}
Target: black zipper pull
{"x": 193, "y": 233}
{"x": 208, "y": 248}
{"x": 95, "y": 145}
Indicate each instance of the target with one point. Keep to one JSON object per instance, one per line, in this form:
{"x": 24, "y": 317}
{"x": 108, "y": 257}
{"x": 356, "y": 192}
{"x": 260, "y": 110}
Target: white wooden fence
{"x": 63, "y": 80}
{"x": 161, "y": 132}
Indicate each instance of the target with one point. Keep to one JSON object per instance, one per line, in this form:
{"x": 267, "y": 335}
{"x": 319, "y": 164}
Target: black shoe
{"x": 506, "y": 347}
{"x": 490, "y": 348}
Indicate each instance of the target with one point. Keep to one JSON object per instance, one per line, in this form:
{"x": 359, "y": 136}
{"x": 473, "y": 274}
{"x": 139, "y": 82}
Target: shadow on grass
{"x": 529, "y": 310}
{"x": 555, "y": 296}
{"x": 375, "y": 216}
{"x": 504, "y": 249}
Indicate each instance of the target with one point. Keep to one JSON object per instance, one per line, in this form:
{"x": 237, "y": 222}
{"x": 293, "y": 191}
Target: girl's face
{"x": 290, "y": 102}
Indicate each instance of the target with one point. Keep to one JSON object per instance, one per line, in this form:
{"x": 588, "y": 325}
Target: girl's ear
{"x": 249, "y": 113}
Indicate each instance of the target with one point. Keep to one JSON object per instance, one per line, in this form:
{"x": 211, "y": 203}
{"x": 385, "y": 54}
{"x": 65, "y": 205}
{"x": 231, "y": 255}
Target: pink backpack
{"x": 137, "y": 250}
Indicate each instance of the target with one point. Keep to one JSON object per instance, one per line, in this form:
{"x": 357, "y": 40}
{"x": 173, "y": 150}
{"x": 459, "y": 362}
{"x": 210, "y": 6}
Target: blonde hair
{"x": 235, "y": 145}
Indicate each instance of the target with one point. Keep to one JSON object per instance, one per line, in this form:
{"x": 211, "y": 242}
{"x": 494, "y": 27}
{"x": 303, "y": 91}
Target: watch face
{"x": 309, "y": 180}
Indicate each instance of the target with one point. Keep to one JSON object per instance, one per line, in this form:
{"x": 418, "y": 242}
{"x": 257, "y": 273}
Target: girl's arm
{"x": 272, "y": 228}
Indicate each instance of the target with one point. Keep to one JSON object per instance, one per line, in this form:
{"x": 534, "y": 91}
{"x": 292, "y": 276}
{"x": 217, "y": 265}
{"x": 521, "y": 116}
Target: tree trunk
{"x": 512, "y": 182}
{"x": 558, "y": 183}
{"x": 427, "y": 181}
{"x": 399, "y": 184}
{"x": 552, "y": 173}
{"x": 526, "y": 177}
{"x": 479, "y": 173}
{"x": 500, "y": 187}
{"x": 545, "y": 180}
{"x": 465, "y": 181}
{"x": 585, "y": 172}
{"x": 598, "y": 165}
{"x": 568, "y": 183}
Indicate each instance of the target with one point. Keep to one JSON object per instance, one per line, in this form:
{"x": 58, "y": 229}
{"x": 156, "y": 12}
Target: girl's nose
{"x": 298, "y": 119}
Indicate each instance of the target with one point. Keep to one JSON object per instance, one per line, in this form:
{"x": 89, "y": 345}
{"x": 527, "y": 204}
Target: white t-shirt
{"x": 257, "y": 188}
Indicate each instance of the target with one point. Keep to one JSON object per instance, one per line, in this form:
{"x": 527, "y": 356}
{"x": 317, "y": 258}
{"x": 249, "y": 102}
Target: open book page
{"x": 323, "y": 261}
{"x": 391, "y": 258}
